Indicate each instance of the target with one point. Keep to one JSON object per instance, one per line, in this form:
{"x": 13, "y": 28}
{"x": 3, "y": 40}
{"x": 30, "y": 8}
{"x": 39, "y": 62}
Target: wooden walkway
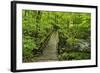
{"x": 50, "y": 51}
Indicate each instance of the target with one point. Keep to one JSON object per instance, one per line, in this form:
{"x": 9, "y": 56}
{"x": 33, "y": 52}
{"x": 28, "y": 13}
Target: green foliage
{"x": 72, "y": 41}
{"x": 74, "y": 56}
{"x": 71, "y": 26}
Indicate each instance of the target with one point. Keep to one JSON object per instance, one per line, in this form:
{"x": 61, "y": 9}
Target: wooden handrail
{"x": 44, "y": 43}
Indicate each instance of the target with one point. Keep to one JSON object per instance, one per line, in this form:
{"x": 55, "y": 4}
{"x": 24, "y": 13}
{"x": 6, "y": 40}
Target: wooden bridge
{"x": 49, "y": 47}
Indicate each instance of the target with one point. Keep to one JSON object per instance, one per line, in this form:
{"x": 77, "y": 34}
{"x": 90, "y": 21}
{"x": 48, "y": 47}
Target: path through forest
{"x": 50, "y": 51}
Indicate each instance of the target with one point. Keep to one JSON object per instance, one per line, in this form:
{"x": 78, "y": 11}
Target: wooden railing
{"x": 44, "y": 43}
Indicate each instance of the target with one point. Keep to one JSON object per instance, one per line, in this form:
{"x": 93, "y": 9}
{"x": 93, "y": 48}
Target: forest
{"x": 53, "y": 35}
